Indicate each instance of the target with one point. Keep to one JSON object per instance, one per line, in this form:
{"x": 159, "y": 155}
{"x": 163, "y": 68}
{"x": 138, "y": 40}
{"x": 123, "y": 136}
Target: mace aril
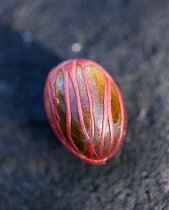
{"x": 86, "y": 110}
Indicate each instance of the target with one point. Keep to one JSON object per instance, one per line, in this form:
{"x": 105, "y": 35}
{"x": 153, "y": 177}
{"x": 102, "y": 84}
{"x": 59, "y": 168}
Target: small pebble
{"x": 76, "y": 47}
{"x": 27, "y": 37}
{"x": 144, "y": 174}
{"x": 25, "y": 185}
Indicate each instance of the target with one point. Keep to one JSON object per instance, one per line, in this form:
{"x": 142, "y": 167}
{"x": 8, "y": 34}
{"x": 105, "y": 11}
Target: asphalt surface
{"x": 128, "y": 38}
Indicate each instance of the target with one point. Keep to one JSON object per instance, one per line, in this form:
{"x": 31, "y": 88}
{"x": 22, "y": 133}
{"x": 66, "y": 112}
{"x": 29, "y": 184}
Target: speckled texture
{"x": 130, "y": 39}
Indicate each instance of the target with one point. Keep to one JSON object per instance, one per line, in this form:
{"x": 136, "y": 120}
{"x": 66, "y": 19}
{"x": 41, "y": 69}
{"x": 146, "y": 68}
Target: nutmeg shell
{"x": 86, "y": 110}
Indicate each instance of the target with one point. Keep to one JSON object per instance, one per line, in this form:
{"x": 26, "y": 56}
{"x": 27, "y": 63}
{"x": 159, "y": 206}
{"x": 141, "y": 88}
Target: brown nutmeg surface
{"x": 85, "y": 110}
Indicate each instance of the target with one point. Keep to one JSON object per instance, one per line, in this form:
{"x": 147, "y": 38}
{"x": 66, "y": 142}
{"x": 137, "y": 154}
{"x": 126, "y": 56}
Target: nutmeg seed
{"x": 85, "y": 110}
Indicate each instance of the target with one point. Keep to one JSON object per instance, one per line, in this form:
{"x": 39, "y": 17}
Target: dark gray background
{"x": 128, "y": 38}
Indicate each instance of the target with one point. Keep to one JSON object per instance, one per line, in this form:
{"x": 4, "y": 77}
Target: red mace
{"x": 85, "y": 110}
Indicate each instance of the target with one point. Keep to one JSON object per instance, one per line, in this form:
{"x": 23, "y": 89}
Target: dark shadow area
{"x": 23, "y": 70}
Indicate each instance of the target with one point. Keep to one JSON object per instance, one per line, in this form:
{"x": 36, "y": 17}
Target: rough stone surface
{"x": 131, "y": 40}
